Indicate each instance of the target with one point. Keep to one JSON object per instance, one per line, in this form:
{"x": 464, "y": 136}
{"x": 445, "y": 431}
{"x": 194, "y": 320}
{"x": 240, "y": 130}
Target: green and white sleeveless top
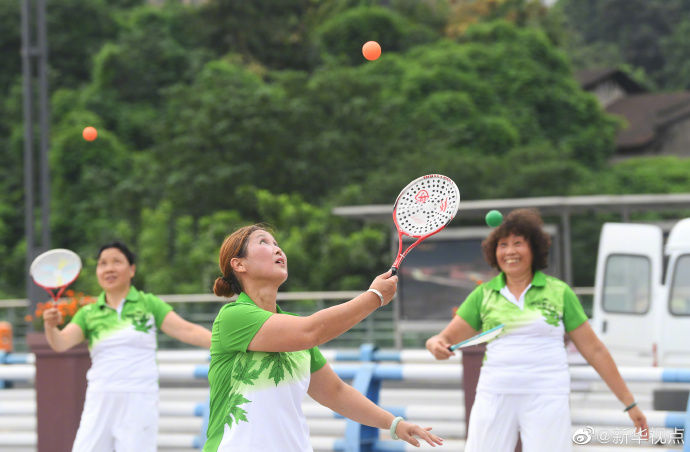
{"x": 256, "y": 397}
{"x": 529, "y": 356}
{"x": 122, "y": 342}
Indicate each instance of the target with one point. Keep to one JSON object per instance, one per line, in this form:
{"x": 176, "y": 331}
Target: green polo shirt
{"x": 529, "y": 355}
{"x": 122, "y": 341}
{"x": 256, "y": 397}
{"x": 547, "y": 296}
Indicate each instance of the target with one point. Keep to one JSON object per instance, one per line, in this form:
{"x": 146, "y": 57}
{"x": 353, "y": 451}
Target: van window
{"x": 679, "y": 300}
{"x": 627, "y": 287}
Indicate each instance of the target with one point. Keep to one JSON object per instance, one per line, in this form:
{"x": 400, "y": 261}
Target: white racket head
{"x": 55, "y": 268}
{"x": 480, "y": 338}
{"x": 426, "y": 205}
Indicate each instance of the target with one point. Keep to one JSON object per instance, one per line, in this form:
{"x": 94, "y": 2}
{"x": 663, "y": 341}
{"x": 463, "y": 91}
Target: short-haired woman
{"x": 121, "y": 408}
{"x": 524, "y": 384}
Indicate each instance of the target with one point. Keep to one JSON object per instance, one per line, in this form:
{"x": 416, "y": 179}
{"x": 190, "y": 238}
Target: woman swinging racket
{"x": 264, "y": 360}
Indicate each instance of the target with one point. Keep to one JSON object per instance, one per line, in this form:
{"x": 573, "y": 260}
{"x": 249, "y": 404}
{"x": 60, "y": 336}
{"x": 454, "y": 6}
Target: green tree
{"x": 667, "y": 174}
{"x": 324, "y": 252}
{"x": 86, "y": 182}
{"x": 153, "y": 51}
{"x": 273, "y": 34}
{"x": 222, "y": 114}
{"x": 341, "y": 37}
{"x": 469, "y": 113}
{"x": 76, "y": 31}
{"x": 676, "y": 53}
{"x": 155, "y": 249}
{"x": 10, "y": 44}
{"x": 465, "y": 13}
{"x": 229, "y": 128}
{"x": 146, "y": 57}
{"x": 630, "y": 31}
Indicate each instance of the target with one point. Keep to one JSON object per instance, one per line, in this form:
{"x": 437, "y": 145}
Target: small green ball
{"x": 494, "y": 218}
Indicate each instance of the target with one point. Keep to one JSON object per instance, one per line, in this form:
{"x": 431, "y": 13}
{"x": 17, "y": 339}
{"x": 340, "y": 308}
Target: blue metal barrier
{"x": 16, "y": 358}
{"x": 367, "y": 377}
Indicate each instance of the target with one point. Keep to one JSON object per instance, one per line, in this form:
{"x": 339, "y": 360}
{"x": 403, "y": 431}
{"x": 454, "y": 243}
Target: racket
{"x": 54, "y": 270}
{"x": 422, "y": 209}
{"x": 480, "y": 338}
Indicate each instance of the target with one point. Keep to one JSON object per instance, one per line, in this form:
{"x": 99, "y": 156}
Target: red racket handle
{"x": 394, "y": 271}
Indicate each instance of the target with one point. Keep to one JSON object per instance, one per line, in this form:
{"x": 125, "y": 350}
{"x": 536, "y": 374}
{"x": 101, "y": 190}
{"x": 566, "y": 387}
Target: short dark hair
{"x": 131, "y": 257}
{"x": 528, "y": 224}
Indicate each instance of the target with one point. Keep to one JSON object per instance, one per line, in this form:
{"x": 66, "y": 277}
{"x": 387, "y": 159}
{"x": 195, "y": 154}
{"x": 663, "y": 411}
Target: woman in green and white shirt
{"x": 121, "y": 408}
{"x": 264, "y": 361}
{"x": 524, "y": 384}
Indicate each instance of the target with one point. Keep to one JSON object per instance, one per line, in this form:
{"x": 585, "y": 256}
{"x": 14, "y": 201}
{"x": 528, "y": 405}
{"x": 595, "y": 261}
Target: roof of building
{"x": 645, "y": 113}
{"x": 589, "y": 78}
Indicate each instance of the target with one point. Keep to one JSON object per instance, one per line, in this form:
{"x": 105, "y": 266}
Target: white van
{"x": 641, "y": 307}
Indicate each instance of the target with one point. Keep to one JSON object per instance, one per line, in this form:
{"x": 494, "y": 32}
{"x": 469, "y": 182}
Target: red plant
{"x": 67, "y": 306}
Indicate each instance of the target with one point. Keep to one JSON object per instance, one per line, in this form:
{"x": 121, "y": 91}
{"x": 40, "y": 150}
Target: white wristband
{"x": 394, "y": 426}
{"x": 380, "y": 295}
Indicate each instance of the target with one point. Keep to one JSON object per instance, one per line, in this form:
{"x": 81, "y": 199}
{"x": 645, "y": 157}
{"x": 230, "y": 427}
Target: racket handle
{"x": 394, "y": 271}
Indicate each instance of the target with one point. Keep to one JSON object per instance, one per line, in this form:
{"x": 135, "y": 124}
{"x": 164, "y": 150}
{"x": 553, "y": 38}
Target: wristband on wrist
{"x": 630, "y": 407}
{"x": 380, "y": 295}
{"x": 394, "y": 425}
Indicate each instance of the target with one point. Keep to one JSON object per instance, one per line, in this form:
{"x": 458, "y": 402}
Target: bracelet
{"x": 394, "y": 425}
{"x": 380, "y": 295}
{"x": 630, "y": 407}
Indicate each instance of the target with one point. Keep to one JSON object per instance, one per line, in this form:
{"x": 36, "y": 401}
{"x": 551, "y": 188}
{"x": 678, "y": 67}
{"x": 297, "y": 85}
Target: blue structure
{"x": 367, "y": 377}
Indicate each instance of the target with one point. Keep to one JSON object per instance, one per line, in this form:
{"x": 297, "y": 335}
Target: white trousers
{"x": 542, "y": 421}
{"x": 118, "y": 422}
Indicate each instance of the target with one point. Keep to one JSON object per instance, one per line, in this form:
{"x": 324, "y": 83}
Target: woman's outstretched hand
{"x": 409, "y": 432}
{"x": 387, "y": 285}
{"x": 640, "y": 421}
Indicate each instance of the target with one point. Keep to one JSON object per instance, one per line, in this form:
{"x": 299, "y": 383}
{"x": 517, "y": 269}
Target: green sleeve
{"x": 317, "y": 359}
{"x": 237, "y": 325}
{"x": 573, "y": 314}
{"x": 159, "y": 309}
{"x": 80, "y": 319}
{"x": 469, "y": 310}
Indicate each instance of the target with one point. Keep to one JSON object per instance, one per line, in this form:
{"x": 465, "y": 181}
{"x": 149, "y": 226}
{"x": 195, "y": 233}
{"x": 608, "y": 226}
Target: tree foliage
{"x": 641, "y": 33}
{"x": 227, "y": 113}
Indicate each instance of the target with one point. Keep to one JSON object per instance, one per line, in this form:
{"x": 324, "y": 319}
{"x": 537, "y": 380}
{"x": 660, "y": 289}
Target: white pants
{"x": 542, "y": 421}
{"x": 119, "y": 422}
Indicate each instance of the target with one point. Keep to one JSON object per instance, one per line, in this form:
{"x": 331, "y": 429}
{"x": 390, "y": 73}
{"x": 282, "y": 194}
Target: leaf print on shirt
{"x": 95, "y": 336}
{"x": 549, "y": 313}
{"x": 235, "y": 413}
{"x": 243, "y": 369}
{"x": 279, "y": 362}
{"x": 141, "y": 323}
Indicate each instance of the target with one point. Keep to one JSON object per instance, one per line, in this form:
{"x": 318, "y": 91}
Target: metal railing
{"x": 367, "y": 375}
{"x": 201, "y": 309}
{"x": 380, "y": 328}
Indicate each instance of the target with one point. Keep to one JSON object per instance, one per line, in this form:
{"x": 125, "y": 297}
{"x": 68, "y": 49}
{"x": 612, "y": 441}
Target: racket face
{"x": 479, "y": 338}
{"x": 426, "y": 205}
{"x": 55, "y": 268}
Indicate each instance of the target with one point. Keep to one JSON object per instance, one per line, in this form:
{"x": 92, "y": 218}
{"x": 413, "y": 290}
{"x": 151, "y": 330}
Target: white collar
{"x": 520, "y": 303}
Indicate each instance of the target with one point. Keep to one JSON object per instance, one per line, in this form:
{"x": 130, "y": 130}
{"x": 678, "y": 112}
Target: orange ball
{"x": 371, "y": 50}
{"x": 89, "y": 133}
